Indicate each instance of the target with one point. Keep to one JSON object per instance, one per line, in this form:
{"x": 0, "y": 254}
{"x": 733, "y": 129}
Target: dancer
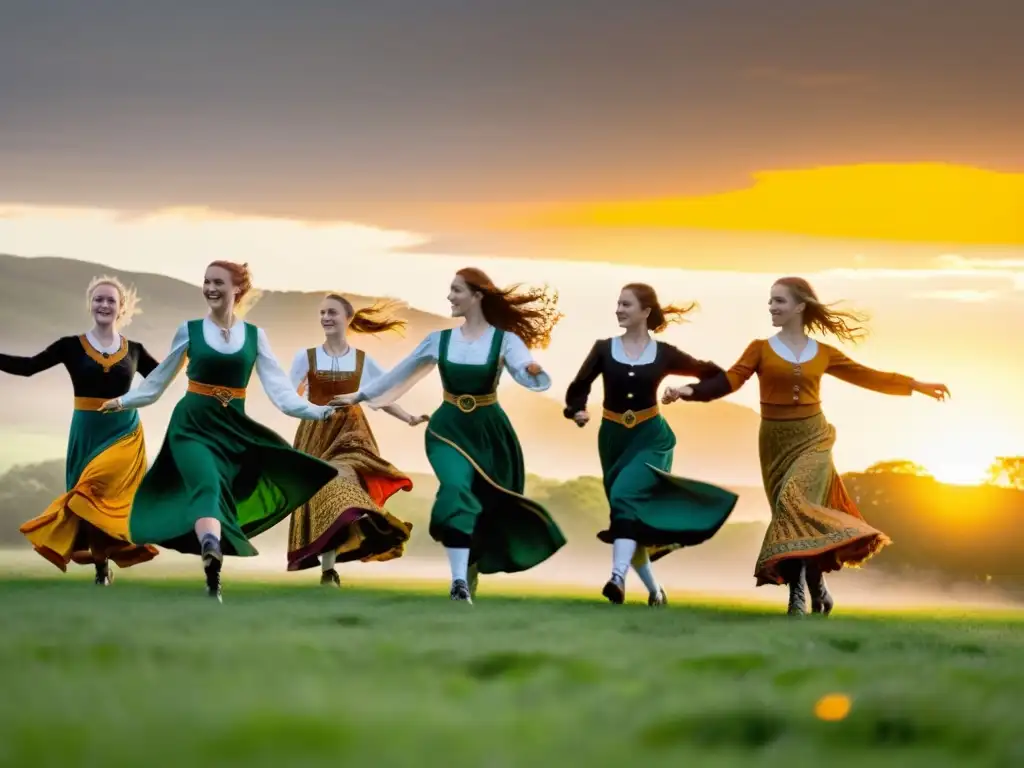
{"x": 221, "y": 478}
{"x": 346, "y": 520}
{"x": 815, "y": 527}
{"x": 480, "y": 514}
{"x": 649, "y": 506}
{"x": 106, "y": 457}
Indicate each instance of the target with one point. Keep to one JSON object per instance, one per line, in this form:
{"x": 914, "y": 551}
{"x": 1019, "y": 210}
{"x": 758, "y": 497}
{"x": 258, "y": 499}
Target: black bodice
{"x": 631, "y": 387}
{"x": 93, "y": 373}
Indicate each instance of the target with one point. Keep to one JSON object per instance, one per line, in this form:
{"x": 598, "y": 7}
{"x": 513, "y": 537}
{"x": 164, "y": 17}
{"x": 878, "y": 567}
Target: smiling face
{"x": 784, "y": 308}
{"x": 105, "y": 304}
{"x": 629, "y": 313}
{"x": 334, "y": 318}
{"x": 462, "y": 297}
{"x": 218, "y": 289}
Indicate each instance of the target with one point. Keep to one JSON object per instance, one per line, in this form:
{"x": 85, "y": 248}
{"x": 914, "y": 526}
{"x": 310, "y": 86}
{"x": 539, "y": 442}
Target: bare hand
{"x": 675, "y": 393}
{"x": 342, "y": 401}
{"x": 937, "y": 391}
{"x": 581, "y": 418}
{"x": 415, "y": 421}
{"x": 111, "y": 406}
{"x": 534, "y": 369}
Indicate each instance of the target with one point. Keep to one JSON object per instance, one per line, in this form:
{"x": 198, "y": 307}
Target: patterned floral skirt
{"x": 347, "y": 515}
{"x": 813, "y": 517}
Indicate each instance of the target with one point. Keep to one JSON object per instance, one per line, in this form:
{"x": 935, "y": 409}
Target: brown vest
{"x": 325, "y": 385}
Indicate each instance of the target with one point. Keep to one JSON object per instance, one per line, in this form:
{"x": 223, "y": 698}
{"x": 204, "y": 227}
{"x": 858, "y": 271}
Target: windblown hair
{"x": 241, "y": 278}
{"x": 661, "y": 316}
{"x": 378, "y": 318}
{"x": 846, "y": 325}
{"x": 128, "y": 299}
{"x": 530, "y": 314}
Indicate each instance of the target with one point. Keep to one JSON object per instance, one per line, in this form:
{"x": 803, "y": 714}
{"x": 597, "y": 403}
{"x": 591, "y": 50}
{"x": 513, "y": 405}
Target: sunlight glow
{"x": 955, "y": 471}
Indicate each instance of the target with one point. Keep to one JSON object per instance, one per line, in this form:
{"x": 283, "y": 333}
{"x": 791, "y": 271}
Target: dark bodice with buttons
{"x": 631, "y": 387}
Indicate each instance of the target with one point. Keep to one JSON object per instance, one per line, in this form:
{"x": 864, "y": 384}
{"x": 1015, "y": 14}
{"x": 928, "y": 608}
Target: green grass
{"x": 153, "y": 674}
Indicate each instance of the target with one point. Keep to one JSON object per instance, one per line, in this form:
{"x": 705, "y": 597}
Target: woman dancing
{"x": 480, "y": 514}
{"x": 106, "y": 457}
{"x": 650, "y": 508}
{"x": 815, "y": 527}
{"x": 221, "y": 478}
{"x": 346, "y": 520}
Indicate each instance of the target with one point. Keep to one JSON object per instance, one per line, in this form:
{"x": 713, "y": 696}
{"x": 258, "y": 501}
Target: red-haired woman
{"x": 221, "y": 478}
{"x": 106, "y": 456}
{"x": 815, "y": 527}
{"x": 346, "y": 520}
{"x": 480, "y": 514}
{"x": 651, "y": 509}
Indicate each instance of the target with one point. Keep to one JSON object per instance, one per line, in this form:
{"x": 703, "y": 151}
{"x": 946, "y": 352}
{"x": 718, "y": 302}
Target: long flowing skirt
{"x": 106, "y": 461}
{"x": 813, "y": 517}
{"x": 659, "y": 510}
{"x": 217, "y": 462}
{"x": 478, "y": 462}
{"x": 347, "y": 515}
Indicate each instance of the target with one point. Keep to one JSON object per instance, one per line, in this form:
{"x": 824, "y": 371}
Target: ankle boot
{"x": 821, "y": 598}
{"x": 795, "y": 574}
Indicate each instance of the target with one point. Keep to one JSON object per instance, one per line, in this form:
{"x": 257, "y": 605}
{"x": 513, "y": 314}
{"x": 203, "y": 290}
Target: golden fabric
{"x": 90, "y": 522}
{"x": 792, "y": 390}
{"x": 224, "y": 394}
{"x": 347, "y": 515}
{"x": 107, "y": 361}
{"x": 469, "y": 403}
{"x": 813, "y": 517}
{"x": 88, "y": 403}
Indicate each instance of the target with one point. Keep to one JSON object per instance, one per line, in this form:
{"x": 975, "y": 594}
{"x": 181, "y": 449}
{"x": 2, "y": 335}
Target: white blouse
{"x": 272, "y": 377}
{"x": 299, "y": 373}
{"x": 104, "y": 349}
{"x": 648, "y": 356}
{"x": 400, "y": 379}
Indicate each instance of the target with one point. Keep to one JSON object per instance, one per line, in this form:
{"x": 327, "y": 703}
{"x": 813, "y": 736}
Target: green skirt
{"x": 479, "y": 466}
{"x": 649, "y": 504}
{"x": 217, "y": 462}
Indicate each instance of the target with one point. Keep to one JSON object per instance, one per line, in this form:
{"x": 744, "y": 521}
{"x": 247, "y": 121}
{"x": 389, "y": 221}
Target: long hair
{"x": 844, "y": 324}
{"x": 241, "y": 278}
{"x": 530, "y": 314}
{"x": 378, "y": 318}
{"x": 661, "y": 316}
{"x": 127, "y": 302}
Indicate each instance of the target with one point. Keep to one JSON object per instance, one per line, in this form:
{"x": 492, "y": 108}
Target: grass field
{"x": 153, "y": 674}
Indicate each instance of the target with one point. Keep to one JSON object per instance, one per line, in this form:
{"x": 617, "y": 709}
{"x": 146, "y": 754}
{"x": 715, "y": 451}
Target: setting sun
{"x": 960, "y": 471}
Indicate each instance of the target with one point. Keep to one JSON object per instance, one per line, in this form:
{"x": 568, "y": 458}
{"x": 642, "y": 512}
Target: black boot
{"x": 104, "y": 576}
{"x": 615, "y": 590}
{"x": 330, "y": 578}
{"x": 460, "y": 592}
{"x": 795, "y": 574}
{"x": 821, "y": 598}
{"x": 213, "y": 558}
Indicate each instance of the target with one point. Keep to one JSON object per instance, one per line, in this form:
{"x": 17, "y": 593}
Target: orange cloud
{"x": 920, "y": 202}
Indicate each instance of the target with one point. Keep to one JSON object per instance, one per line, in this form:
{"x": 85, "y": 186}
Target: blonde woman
{"x": 106, "y": 455}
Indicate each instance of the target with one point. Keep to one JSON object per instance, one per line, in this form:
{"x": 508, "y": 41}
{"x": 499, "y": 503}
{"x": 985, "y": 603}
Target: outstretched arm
{"x": 279, "y": 389}
{"x": 372, "y": 372}
{"x": 845, "y": 369}
{"x": 682, "y": 364}
{"x": 147, "y": 363}
{"x": 158, "y": 379}
{"x": 519, "y": 362}
{"x": 30, "y": 366}
{"x": 578, "y": 391}
{"x": 386, "y": 389}
{"x": 723, "y": 383}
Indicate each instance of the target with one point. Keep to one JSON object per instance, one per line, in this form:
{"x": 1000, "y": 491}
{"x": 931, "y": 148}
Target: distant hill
{"x": 42, "y": 299}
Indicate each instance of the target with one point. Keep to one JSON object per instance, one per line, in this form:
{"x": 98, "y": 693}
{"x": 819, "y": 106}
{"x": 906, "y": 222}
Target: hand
{"x": 111, "y": 406}
{"x": 937, "y": 391}
{"x": 415, "y": 421}
{"x": 675, "y": 393}
{"x": 534, "y": 369}
{"x": 581, "y": 418}
{"x": 342, "y": 401}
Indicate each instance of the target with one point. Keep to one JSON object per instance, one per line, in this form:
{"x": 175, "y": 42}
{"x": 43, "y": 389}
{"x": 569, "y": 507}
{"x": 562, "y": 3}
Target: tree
{"x": 897, "y": 467}
{"x": 1007, "y": 471}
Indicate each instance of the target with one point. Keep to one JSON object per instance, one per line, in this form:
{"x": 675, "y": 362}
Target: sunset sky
{"x": 875, "y": 147}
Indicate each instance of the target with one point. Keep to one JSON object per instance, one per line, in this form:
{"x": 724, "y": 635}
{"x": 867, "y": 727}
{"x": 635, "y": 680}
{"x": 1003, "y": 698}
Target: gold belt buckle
{"x": 223, "y": 395}
{"x": 466, "y": 403}
{"x": 629, "y": 419}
